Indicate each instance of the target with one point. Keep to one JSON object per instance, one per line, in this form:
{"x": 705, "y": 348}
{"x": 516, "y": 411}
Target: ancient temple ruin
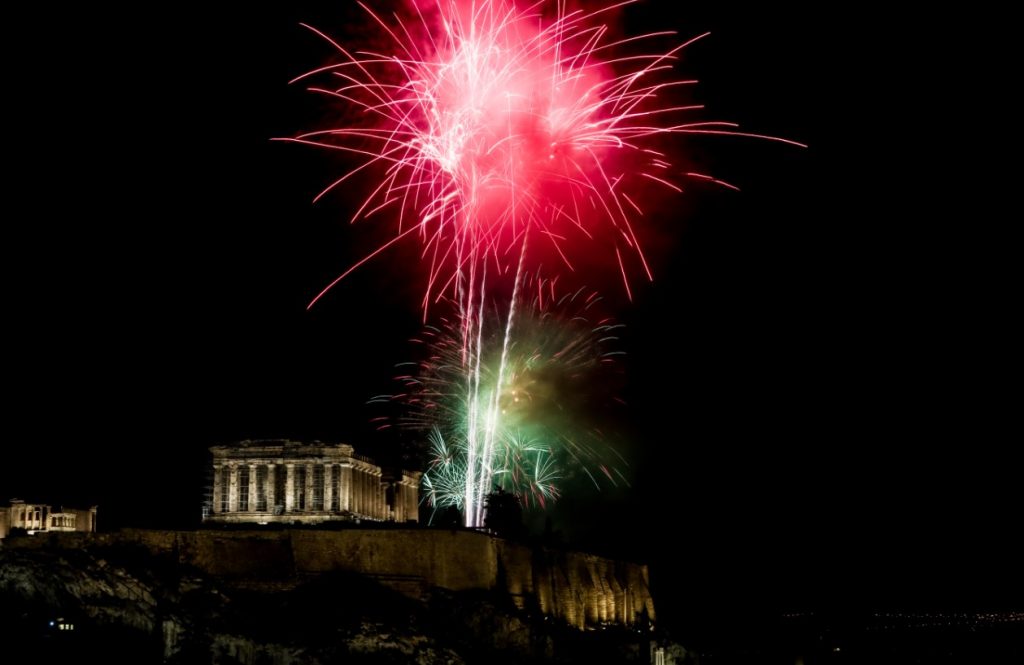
{"x": 287, "y": 482}
{"x": 41, "y": 518}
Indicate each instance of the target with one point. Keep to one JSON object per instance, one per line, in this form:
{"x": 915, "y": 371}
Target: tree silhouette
{"x": 504, "y": 514}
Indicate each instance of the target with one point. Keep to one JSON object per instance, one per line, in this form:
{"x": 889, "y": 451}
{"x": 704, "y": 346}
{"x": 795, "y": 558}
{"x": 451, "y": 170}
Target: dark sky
{"x": 812, "y": 408}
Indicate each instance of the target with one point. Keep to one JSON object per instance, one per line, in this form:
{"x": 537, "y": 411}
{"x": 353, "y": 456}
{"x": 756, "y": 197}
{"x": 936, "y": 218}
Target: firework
{"x": 537, "y": 403}
{"x": 485, "y": 122}
{"x": 489, "y": 127}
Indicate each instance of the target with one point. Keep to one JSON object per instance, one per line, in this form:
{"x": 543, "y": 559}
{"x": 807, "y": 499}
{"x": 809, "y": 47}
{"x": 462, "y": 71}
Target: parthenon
{"x": 286, "y": 482}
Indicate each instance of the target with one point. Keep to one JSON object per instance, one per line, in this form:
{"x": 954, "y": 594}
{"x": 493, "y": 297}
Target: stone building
{"x": 288, "y": 482}
{"x": 38, "y": 517}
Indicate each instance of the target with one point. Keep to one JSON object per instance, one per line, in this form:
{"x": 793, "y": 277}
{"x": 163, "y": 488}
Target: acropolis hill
{"x": 305, "y": 596}
{"x": 577, "y": 588}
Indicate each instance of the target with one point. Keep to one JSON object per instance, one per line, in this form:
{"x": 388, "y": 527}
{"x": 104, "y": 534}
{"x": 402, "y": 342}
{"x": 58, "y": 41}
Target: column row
{"x": 299, "y": 488}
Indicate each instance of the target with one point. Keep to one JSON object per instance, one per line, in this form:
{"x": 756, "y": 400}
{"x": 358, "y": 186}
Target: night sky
{"x": 813, "y": 410}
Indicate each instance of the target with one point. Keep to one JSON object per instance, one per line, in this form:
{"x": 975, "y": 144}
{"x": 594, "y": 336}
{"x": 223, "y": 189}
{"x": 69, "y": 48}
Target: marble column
{"x": 361, "y": 491}
{"x": 382, "y": 504}
{"x": 289, "y": 488}
{"x": 357, "y": 485}
{"x": 375, "y": 494}
{"x": 271, "y": 488}
{"x": 309, "y": 487}
{"x": 233, "y": 488}
{"x": 412, "y": 503}
{"x": 328, "y": 488}
{"x": 217, "y": 489}
{"x": 367, "y": 493}
{"x": 357, "y": 477}
{"x": 346, "y": 487}
{"x": 252, "y": 487}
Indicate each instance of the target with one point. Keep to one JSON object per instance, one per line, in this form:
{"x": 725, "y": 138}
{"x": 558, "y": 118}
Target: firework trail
{"x": 491, "y": 126}
{"x": 538, "y": 399}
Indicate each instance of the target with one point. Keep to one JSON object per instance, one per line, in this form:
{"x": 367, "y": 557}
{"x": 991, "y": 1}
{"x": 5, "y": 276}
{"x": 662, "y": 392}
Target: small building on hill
{"x": 41, "y": 517}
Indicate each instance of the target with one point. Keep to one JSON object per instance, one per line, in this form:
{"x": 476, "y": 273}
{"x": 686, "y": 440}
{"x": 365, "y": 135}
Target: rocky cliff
{"x": 573, "y": 587}
{"x": 305, "y": 597}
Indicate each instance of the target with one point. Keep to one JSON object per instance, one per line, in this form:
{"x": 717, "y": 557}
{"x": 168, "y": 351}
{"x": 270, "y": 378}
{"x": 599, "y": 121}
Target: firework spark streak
{"x": 489, "y": 126}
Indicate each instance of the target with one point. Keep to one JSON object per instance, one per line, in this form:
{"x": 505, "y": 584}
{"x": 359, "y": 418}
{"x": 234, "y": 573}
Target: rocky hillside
{"x": 124, "y": 604}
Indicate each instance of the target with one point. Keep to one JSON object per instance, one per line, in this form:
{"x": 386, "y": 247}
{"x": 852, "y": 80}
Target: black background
{"x": 816, "y": 407}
